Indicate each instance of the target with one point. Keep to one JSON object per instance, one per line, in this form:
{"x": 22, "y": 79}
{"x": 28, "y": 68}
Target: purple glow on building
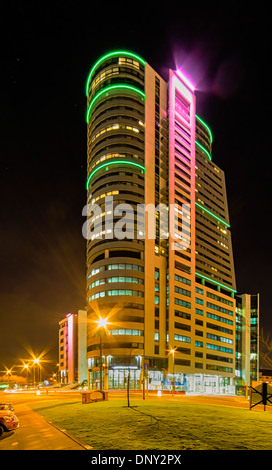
{"x": 187, "y": 82}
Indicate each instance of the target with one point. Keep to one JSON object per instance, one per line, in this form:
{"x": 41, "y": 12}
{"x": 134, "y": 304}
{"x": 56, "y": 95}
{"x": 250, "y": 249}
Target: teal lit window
{"x": 182, "y": 303}
{"x": 219, "y": 348}
{"x": 219, "y": 338}
{"x": 199, "y": 311}
{"x": 220, "y": 309}
{"x": 179, "y": 290}
{"x": 109, "y": 267}
{"x": 97, "y": 295}
{"x": 182, "y": 279}
{"x": 123, "y": 331}
{"x": 125, "y": 292}
{"x": 184, "y": 339}
{"x": 128, "y": 279}
{"x": 218, "y": 318}
{"x": 219, "y": 298}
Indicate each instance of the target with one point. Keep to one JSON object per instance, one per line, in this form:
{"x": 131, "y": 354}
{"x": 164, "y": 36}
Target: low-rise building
{"x": 73, "y": 348}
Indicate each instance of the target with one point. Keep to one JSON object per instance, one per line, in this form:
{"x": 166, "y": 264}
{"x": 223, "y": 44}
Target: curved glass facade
{"x": 116, "y": 164}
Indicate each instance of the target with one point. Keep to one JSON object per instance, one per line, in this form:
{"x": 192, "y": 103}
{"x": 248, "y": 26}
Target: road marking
{"x": 15, "y": 443}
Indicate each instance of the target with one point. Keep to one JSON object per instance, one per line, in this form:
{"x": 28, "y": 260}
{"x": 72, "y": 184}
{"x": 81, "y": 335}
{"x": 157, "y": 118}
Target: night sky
{"x": 46, "y": 54}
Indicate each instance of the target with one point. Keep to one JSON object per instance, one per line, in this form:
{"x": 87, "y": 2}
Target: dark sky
{"x": 46, "y": 54}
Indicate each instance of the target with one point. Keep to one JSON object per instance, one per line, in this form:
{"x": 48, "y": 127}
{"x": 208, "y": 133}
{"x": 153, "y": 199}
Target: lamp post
{"x": 26, "y": 367}
{"x": 58, "y": 374}
{"x": 8, "y": 375}
{"x": 173, "y": 380}
{"x": 36, "y": 361}
{"x": 102, "y": 323}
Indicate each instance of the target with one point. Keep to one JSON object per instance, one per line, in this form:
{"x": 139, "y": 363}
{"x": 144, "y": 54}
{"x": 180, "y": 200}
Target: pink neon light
{"x": 70, "y": 348}
{"x": 185, "y": 80}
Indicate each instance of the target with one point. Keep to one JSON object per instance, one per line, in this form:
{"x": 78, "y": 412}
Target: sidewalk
{"x": 35, "y": 433}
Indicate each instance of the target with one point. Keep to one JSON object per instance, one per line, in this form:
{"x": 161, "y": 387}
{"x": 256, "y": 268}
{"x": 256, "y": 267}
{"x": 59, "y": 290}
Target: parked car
{"x": 6, "y": 406}
{"x": 8, "y": 421}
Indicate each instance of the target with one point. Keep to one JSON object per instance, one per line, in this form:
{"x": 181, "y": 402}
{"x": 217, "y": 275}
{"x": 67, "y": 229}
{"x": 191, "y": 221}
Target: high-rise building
{"x": 247, "y": 338}
{"x": 168, "y": 299}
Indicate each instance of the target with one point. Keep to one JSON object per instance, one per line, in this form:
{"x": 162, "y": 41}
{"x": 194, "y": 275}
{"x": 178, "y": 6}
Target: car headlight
{"x": 8, "y": 418}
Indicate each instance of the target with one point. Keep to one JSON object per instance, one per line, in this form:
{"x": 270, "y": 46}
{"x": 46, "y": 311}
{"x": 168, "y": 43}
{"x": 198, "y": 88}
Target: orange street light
{"x": 102, "y": 323}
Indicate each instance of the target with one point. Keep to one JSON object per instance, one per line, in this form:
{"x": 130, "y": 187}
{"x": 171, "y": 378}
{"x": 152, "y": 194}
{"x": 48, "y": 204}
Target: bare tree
{"x": 266, "y": 348}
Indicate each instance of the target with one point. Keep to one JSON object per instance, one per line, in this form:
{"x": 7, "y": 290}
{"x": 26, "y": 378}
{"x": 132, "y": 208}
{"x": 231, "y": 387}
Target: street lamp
{"x": 102, "y": 323}
{"x": 26, "y": 367}
{"x": 36, "y": 361}
{"x": 58, "y": 373}
{"x": 8, "y": 375}
{"x": 172, "y": 351}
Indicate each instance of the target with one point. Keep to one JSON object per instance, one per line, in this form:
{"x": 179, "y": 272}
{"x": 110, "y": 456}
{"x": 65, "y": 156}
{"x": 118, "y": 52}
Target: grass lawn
{"x": 161, "y": 425}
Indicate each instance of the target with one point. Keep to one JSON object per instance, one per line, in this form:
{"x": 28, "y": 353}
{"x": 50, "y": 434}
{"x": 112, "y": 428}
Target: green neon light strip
{"x": 205, "y": 125}
{"x": 107, "y": 56}
{"x": 204, "y": 150}
{"x": 112, "y": 163}
{"x": 218, "y": 283}
{"x": 217, "y": 218}
{"x": 112, "y": 87}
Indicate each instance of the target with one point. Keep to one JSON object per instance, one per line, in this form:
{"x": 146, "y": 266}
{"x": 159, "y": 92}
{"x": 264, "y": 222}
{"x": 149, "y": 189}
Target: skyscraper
{"x": 167, "y": 300}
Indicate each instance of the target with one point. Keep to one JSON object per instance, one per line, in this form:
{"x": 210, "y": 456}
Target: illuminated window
{"x": 122, "y": 331}
{"x": 185, "y": 339}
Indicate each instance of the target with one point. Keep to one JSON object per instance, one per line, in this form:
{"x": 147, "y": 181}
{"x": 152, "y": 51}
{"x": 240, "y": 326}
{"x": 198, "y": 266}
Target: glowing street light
{"x": 102, "y": 323}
